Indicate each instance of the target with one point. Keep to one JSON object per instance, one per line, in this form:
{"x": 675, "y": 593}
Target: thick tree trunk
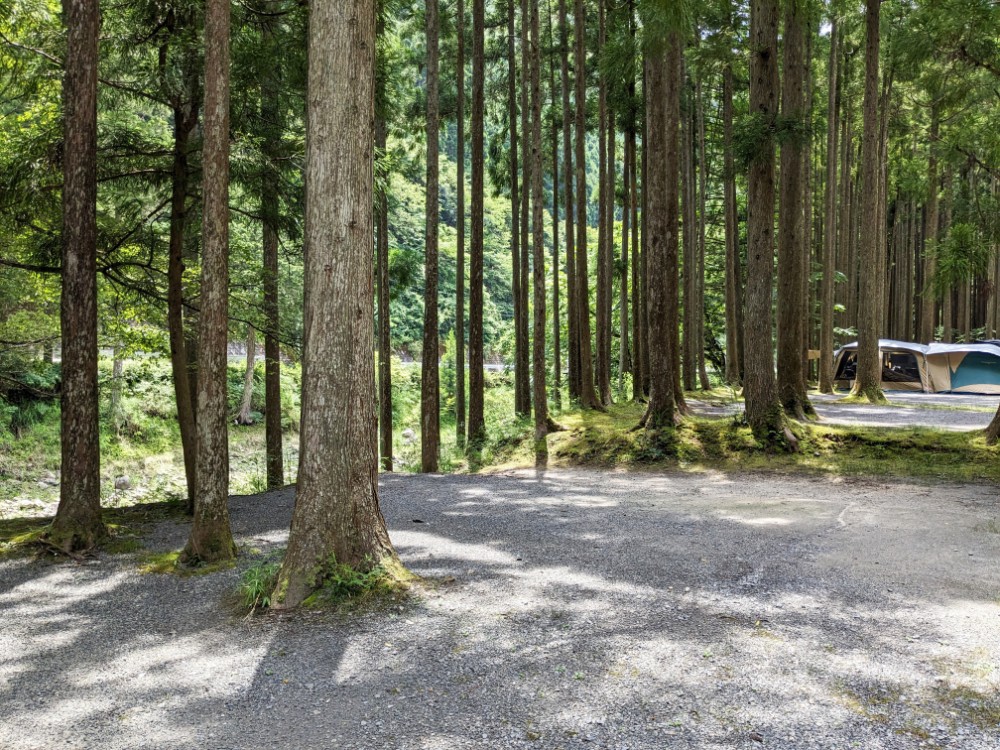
{"x": 792, "y": 310}
{"x": 733, "y": 273}
{"x": 243, "y": 415}
{"x": 588, "y": 395}
{"x": 384, "y": 340}
{"x": 830, "y": 218}
{"x": 78, "y": 524}
{"x": 662, "y": 94}
{"x": 430, "y": 411}
{"x": 928, "y": 300}
{"x": 337, "y": 517}
{"x": 477, "y": 425}
{"x": 568, "y": 175}
{"x": 763, "y": 409}
{"x": 272, "y": 351}
{"x": 539, "y": 395}
{"x": 185, "y": 119}
{"x": 869, "y": 380}
{"x": 211, "y": 539}
{"x": 460, "y": 233}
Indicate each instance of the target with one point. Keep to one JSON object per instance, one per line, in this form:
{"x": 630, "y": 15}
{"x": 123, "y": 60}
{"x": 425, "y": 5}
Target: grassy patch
{"x": 971, "y": 705}
{"x": 169, "y": 562}
{"x": 610, "y": 440}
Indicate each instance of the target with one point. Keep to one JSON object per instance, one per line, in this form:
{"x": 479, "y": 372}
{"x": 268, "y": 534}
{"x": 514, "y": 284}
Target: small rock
{"x": 123, "y": 483}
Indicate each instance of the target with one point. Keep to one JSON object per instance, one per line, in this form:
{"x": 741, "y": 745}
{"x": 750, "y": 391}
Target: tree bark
{"x": 763, "y": 409}
{"x": 662, "y": 93}
{"x": 516, "y": 236}
{"x": 430, "y": 412}
{"x": 460, "y": 233}
{"x": 384, "y": 340}
{"x": 826, "y": 373}
{"x": 522, "y": 384}
{"x": 539, "y": 395}
{"x": 868, "y": 384}
{"x": 702, "y": 175}
{"x": 689, "y": 224}
{"x": 243, "y": 415}
{"x": 269, "y": 209}
{"x": 211, "y": 539}
{"x": 556, "y": 320}
{"x": 588, "y": 394}
{"x": 604, "y": 227}
{"x": 78, "y": 525}
{"x": 792, "y": 310}
{"x": 337, "y": 517}
{"x": 568, "y": 174}
{"x": 733, "y": 273}
{"x": 624, "y": 353}
{"x": 477, "y": 425}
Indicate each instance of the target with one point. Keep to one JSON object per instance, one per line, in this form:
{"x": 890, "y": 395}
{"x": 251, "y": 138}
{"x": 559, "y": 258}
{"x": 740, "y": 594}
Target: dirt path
{"x": 588, "y": 610}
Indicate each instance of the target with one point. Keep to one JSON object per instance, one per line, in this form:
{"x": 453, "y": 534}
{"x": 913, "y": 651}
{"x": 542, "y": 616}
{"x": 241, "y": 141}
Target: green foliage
{"x": 258, "y": 581}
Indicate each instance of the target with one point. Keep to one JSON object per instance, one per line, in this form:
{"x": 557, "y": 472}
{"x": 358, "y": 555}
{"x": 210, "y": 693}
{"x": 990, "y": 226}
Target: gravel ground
{"x": 953, "y": 412}
{"x": 590, "y": 610}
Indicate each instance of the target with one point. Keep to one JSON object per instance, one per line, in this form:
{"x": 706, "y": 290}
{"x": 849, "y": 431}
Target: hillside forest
{"x": 447, "y": 215}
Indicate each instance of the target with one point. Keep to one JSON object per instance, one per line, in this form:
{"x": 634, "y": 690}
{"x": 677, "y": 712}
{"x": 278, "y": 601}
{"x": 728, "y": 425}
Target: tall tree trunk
{"x": 460, "y": 234}
{"x": 928, "y": 300}
{"x": 763, "y": 408}
{"x": 792, "y": 311}
{"x": 732, "y": 237}
{"x": 243, "y": 415}
{"x": 568, "y": 174}
{"x": 185, "y": 119}
{"x": 78, "y": 524}
{"x": 830, "y": 217}
{"x": 117, "y": 381}
{"x": 638, "y": 329}
{"x": 869, "y": 381}
{"x": 517, "y": 238}
{"x": 603, "y": 331}
{"x": 624, "y": 353}
{"x": 941, "y": 231}
{"x": 384, "y": 342}
{"x": 556, "y": 321}
{"x": 269, "y": 209}
{"x": 522, "y": 376}
{"x": 844, "y": 242}
{"x": 588, "y": 395}
{"x": 336, "y": 515}
{"x": 539, "y": 395}
{"x": 430, "y": 411}
{"x": 211, "y": 539}
{"x": 477, "y": 424}
{"x": 700, "y": 272}
{"x": 663, "y": 95}
{"x": 689, "y": 223}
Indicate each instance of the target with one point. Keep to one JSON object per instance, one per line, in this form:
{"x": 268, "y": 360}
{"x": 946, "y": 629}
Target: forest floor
{"x": 572, "y": 608}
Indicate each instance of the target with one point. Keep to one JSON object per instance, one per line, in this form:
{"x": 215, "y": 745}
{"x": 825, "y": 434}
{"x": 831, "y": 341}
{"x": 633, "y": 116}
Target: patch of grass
{"x": 257, "y": 582}
{"x": 169, "y": 562}
{"x": 343, "y": 584}
{"x": 971, "y": 705}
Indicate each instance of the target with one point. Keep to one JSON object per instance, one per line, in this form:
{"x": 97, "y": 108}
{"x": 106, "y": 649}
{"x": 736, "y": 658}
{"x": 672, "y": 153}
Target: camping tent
{"x": 964, "y": 368}
{"x": 903, "y": 366}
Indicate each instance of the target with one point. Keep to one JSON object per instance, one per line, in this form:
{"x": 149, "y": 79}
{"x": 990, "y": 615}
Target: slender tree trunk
{"x": 928, "y": 300}
{"x": 846, "y": 222}
{"x": 522, "y": 371}
{"x": 603, "y": 331}
{"x": 430, "y": 411}
{"x": 477, "y": 424}
{"x": 211, "y": 539}
{"x": 78, "y": 524}
{"x": 516, "y": 235}
{"x": 700, "y": 273}
{"x": 556, "y": 320}
{"x": 540, "y": 397}
{"x": 948, "y": 303}
{"x": 568, "y": 174}
{"x": 624, "y": 354}
{"x": 689, "y": 223}
{"x": 460, "y": 234}
{"x": 763, "y": 408}
{"x": 830, "y": 218}
{"x": 243, "y": 415}
{"x": 733, "y": 318}
{"x": 588, "y": 395}
{"x": 609, "y": 253}
{"x": 869, "y": 381}
{"x": 662, "y": 94}
{"x": 272, "y": 352}
{"x": 185, "y": 118}
{"x": 337, "y": 516}
{"x": 638, "y": 329}
{"x": 384, "y": 341}
{"x": 117, "y": 380}
{"x": 792, "y": 311}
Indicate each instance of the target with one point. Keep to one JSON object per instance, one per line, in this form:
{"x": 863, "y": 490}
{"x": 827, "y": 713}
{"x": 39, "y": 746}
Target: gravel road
{"x": 588, "y": 610}
{"x": 954, "y": 412}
